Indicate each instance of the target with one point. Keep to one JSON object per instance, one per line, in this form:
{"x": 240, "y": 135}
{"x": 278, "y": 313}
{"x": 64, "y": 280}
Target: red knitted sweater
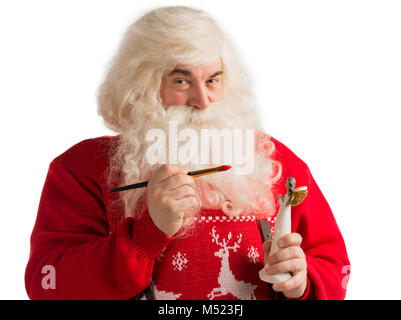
{"x": 94, "y": 255}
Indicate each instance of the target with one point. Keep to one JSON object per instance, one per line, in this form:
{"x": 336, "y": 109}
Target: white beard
{"x": 234, "y": 194}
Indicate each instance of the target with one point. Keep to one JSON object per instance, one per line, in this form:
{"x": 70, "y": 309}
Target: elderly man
{"x": 182, "y": 237}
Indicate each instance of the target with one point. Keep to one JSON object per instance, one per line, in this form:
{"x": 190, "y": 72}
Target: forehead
{"x": 203, "y": 70}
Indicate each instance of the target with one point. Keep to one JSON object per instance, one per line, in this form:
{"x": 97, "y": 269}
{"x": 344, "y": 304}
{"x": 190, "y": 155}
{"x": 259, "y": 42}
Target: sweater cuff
{"x": 148, "y": 238}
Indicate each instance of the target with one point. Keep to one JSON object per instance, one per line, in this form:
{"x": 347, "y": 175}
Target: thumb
{"x": 266, "y": 249}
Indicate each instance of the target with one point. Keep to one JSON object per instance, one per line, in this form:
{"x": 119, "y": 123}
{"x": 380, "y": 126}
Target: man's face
{"x": 192, "y": 86}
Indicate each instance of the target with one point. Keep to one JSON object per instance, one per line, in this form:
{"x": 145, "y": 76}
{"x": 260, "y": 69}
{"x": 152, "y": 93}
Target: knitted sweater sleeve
{"x": 72, "y": 241}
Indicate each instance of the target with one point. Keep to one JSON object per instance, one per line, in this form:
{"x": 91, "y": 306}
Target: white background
{"x": 327, "y": 76}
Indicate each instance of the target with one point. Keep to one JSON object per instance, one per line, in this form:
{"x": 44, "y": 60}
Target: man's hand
{"x": 289, "y": 258}
{"x": 171, "y": 197}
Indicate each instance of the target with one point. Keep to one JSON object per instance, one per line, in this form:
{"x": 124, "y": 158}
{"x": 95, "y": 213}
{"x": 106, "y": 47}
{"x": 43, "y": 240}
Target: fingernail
{"x": 280, "y": 243}
{"x": 268, "y": 270}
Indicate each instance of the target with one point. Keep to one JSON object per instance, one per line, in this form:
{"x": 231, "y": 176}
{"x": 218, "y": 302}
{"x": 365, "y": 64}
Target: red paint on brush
{"x": 224, "y": 168}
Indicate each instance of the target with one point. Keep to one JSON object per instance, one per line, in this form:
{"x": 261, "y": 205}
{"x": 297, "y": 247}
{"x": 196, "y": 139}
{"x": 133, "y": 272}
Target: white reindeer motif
{"x": 228, "y": 283}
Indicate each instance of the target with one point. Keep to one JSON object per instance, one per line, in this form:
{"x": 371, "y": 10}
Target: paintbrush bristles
{"x": 223, "y": 168}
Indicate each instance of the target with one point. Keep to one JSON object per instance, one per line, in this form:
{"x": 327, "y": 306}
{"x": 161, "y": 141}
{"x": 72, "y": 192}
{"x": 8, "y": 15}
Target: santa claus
{"x": 181, "y": 237}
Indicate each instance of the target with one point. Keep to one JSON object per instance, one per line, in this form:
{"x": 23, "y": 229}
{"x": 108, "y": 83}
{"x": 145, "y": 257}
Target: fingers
{"x": 296, "y": 281}
{"x": 171, "y": 181}
{"x": 188, "y": 206}
{"x": 171, "y": 197}
{"x": 177, "y": 181}
{"x": 289, "y": 246}
{"x": 166, "y": 171}
{"x": 182, "y": 192}
{"x": 292, "y": 265}
{"x": 285, "y": 254}
{"x": 289, "y": 258}
{"x": 290, "y": 239}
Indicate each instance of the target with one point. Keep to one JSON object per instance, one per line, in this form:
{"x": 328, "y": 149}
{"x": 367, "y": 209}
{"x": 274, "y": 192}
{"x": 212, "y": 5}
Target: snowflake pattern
{"x": 253, "y": 254}
{"x": 179, "y": 261}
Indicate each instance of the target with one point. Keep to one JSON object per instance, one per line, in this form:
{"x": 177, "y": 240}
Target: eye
{"x": 213, "y": 82}
{"x": 181, "y": 82}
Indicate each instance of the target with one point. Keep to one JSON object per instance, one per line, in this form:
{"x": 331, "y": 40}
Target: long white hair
{"x": 130, "y": 104}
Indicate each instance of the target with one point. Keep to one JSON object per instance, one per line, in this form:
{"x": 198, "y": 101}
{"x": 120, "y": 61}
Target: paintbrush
{"x": 194, "y": 174}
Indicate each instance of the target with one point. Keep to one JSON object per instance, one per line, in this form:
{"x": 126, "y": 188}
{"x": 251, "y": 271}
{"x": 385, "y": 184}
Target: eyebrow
{"x": 188, "y": 74}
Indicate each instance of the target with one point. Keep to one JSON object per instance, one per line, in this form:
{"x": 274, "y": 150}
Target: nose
{"x": 199, "y": 97}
